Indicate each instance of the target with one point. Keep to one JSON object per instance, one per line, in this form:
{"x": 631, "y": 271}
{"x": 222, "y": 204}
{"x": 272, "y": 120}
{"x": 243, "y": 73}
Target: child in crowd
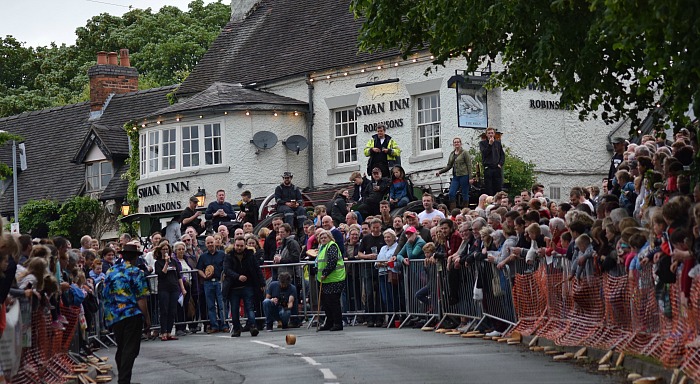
{"x": 398, "y": 191}
{"x": 319, "y": 212}
{"x": 637, "y": 242}
{"x": 583, "y": 255}
{"x": 96, "y": 273}
{"x": 628, "y": 195}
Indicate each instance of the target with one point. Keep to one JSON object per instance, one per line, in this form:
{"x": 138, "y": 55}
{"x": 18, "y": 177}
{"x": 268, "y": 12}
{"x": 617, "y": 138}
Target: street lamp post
{"x": 14, "y": 179}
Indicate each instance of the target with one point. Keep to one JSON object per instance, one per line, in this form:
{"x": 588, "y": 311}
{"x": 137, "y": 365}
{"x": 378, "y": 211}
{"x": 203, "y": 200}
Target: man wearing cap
{"x": 619, "y": 145}
{"x": 190, "y": 217}
{"x": 219, "y": 211}
{"x": 290, "y": 202}
{"x": 125, "y": 292}
{"x": 210, "y": 266}
{"x": 382, "y": 150}
{"x": 249, "y": 209}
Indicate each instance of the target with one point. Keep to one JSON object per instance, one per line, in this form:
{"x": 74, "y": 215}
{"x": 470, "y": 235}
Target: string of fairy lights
{"x": 314, "y": 77}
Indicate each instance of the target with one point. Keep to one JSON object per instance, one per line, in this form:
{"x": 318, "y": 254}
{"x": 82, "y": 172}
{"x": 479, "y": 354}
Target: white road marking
{"x": 297, "y": 354}
{"x": 310, "y": 360}
{"x": 327, "y": 374}
{"x": 264, "y": 343}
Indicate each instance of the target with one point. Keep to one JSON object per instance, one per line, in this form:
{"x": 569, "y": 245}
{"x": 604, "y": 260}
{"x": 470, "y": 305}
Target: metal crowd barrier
{"x": 459, "y": 300}
{"x": 422, "y": 291}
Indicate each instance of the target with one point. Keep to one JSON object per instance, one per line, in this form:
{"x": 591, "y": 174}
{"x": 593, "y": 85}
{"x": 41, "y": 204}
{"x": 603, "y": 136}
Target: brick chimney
{"x": 108, "y": 77}
{"x": 240, "y": 8}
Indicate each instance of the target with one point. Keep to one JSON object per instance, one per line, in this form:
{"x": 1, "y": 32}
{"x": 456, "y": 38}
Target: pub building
{"x": 284, "y": 88}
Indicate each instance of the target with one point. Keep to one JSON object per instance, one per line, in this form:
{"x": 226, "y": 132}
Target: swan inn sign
{"x": 377, "y": 108}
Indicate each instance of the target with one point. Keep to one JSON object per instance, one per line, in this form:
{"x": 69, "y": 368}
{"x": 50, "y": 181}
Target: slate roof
{"x": 53, "y": 136}
{"x": 280, "y": 39}
{"x": 116, "y": 189}
{"x": 224, "y": 94}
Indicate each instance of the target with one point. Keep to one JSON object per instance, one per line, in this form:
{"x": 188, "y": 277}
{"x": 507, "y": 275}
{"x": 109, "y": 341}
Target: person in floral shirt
{"x": 125, "y": 292}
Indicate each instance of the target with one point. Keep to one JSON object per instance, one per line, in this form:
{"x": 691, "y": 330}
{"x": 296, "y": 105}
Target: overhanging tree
{"x": 608, "y": 58}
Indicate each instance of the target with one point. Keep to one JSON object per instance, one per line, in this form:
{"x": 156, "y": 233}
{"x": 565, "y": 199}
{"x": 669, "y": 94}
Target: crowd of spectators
{"x": 643, "y": 214}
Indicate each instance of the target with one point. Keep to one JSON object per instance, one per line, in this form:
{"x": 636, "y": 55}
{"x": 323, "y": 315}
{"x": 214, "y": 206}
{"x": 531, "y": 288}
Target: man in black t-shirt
{"x": 619, "y": 146}
{"x": 249, "y": 209}
{"x": 369, "y": 248}
{"x": 190, "y": 217}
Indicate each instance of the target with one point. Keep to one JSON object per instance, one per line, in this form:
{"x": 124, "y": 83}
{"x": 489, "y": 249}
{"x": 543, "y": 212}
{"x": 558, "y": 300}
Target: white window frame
{"x": 215, "y": 139}
{"x": 142, "y": 153}
{"x": 347, "y": 127}
{"x": 425, "y": 119}
{"x": 169, "y": 149}
{"x": 154, "y": 155}
{"x": 188, "y": 143}
{"x": 153, "y": 151}
{"x": 100, "y": 186}
{"x": 555, "y": 192}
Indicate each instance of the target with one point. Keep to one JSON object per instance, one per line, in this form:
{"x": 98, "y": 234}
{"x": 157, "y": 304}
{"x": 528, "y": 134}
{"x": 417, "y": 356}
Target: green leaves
{"x": 619, "y": 55}
{"x": 164, "y": 47}
{"x": 72, "y": 219}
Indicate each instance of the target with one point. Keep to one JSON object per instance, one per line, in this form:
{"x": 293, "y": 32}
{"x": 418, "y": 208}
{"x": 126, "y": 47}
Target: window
{"x": 190, "y": 146}
{"x": 142, "y": 153}
{"x": 169, "y": 151}
{"x": 153, "y": 151}
{"x": 98, "y": 175}
{"x": 428, "y": 108}
{"x": 212, "y": 144}
{"x": 177, "y": 148}
{"x": 554, "y": 192}
{"x": 345, "y": 136}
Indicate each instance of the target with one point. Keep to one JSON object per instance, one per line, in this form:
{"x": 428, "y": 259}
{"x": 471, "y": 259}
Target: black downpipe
{"x": 310, "y": 134}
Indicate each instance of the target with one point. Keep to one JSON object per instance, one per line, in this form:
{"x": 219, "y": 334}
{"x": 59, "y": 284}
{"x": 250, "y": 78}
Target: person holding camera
{"x": 280, "y": 301}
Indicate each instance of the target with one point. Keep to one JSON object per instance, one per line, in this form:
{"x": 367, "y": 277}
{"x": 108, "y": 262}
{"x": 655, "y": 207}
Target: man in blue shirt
{"x": 219, "y": 211}
{"x": 280, "y": 301}
{"x": 210, "y": 266}
{"x": 125, "y": 292}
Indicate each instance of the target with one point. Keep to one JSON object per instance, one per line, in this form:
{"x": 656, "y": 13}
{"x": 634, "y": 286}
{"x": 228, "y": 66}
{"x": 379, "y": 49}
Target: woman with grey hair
{"x": 387, "y": 283}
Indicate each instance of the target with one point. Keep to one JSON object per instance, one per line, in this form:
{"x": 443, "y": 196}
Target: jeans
{"x": 215, "y": 304}
{"x": 493, "y": 179}
{"x": 167, "y": 301}
{"x": 127, "y": 334}
{"x": 274, "y": 312}
{"x": 402, "y": 202}
{"x": 459, "y": 182}
{"x": 369, "y": 283}
{"x": 386, "y": 290}
{"x": 298, "y": 213}
{"x": 235, "y": 296}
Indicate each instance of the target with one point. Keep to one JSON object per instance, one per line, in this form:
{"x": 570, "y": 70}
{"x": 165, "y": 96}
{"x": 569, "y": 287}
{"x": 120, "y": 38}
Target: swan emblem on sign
{"x": 473, "y": 104}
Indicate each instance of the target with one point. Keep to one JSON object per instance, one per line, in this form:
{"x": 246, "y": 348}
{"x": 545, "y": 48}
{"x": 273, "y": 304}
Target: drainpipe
{"x": 310, "y": 134}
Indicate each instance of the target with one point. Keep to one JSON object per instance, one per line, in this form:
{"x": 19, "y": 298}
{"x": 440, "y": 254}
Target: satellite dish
{"x": 296, "y": 143}
{"x": 264, "y": 139}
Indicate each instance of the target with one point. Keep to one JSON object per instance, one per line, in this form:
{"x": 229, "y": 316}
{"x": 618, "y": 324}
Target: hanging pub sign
{"x": 472, "y": 105}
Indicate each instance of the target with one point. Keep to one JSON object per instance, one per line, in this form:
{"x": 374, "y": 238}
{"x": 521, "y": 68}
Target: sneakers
{"x": 493, "y": 334}
{"x": 268, "y": 328}
{"x": 236, "y": 333}
{"x": 180, "y": 333}
{"x": 211, "y": 330}
{"x": 62, "y": 319}
{"x": 463, "y": 328}
{"x": 57, "y": 325}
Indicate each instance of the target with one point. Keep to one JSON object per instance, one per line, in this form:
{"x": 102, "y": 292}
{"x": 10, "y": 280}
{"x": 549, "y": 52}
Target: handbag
{"x": 478, "y": 294}
{"x": 393, "y": 277}
{"x": 496, "y": 282}
{"x": 191, "y": 312}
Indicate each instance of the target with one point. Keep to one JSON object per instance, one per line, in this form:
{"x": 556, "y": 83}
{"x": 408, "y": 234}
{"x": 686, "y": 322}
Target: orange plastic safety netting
{"x": 622, "y": 312}
{"x": 46, "y": 358}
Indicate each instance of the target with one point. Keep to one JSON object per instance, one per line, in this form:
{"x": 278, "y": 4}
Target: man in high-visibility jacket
{"x": 383, "y": 152}
{"x": 331, "y": 275}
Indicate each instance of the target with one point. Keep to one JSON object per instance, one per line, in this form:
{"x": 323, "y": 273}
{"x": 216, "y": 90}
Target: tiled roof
{"x": 220, "y": 94}
{"x": 116, "y": 189}
{"x": 281, "y": 39}
{"x": 52, "y": 138}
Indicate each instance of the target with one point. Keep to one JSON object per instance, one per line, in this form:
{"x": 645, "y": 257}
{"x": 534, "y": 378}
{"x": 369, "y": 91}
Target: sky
{"x": 40, "y": 22}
